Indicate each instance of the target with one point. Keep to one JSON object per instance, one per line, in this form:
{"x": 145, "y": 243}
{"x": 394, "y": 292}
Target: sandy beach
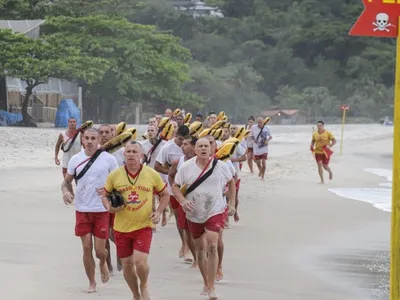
{"x": 295, "y": 240}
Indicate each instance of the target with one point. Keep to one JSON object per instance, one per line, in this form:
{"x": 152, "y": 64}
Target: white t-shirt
{"x": 207, "y": 197}
{"x": 86, "y": 198}
{"x": 240, "y": 151}
{"x": 147, "y": 146}
{"x": 261, "y": 144}
{"x": 119, "y": 156}
{"x": 169, "y": 153}
{"x": 231, "y": 167}
{"x": 76, "y": 148}
{"x": 180, "y": 163}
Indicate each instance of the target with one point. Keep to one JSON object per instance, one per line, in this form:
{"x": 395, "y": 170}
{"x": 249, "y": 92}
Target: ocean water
{"x": 380, "y": 197}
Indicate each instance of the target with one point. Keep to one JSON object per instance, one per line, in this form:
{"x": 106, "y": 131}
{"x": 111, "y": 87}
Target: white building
{"x": 200, "y": 9}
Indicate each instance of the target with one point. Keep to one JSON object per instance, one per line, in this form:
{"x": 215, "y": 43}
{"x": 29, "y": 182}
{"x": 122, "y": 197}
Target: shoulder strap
{"x": 262, "y": 128}
{"x": 88, "y": 165}
{"x": 71, "y": 143}
{"x": 201, "y": 179}
{"x": 150, "y": 153}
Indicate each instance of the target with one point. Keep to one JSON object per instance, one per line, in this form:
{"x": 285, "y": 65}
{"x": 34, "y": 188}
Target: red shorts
{"x": 263, "y": 156}
{"x": 322, "y": 157}
{"x": 237, "y": 183}
{"x": 97, "y": 223}
{"x": 139, "y": 240}
{"x": 182, "y": 221}
{"x": 174, "y": 203}
{"x": 215, "y": 224}
{"x": 225, "y": 214}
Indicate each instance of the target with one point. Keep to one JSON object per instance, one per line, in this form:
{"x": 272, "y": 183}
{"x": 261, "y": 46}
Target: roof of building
{"x": 21, "y": 26}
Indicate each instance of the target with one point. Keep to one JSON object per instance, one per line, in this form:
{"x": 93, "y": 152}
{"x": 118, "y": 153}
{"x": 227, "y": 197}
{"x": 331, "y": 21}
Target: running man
{"x": 68, "y": 144}
{"x": 205, "y": 207}
{"x": 135, "y": 218}
{"x": 151, "y": 148}
{"x": 261, "y": 135}
{"x": 225, "y": 189}
{"x": 322, "y": 140}
{"x": 250, "y": 144}
{"x": 188, "y": 146}
{"x": 169, "y": 153}
{"x": 92, "y": 219}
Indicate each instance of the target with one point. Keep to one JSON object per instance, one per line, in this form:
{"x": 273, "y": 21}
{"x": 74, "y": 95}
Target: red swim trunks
{"x": 322, "y": 157}
{"x": 174, "y": 203}
{"x": 182, "y": 221}
{"x": 97, "y": 223}
{"x": 215, "y": 224}
{"x": 139, "y": 240}
{"x": 263, "y": 156}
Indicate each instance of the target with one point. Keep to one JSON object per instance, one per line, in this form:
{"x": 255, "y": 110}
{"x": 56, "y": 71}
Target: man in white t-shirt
{"x": 189, "y": 254}
{"x": 151, "y": 148}
{"x": 204, "y": 207}
{"x": 261, "y": 135}
{"x": 92, "y": 219}
{"x": 169, "y": 153}
{"x": 221, "y": 245}
{"x": 237, "y": 158}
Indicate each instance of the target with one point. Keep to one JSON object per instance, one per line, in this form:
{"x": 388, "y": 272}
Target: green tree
{"x": 35, "y": 61}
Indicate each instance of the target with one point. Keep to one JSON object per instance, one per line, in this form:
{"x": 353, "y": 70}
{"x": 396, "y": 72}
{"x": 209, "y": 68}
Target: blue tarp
{"x": 7, "y": 118}
{"x": 67, "y": 109}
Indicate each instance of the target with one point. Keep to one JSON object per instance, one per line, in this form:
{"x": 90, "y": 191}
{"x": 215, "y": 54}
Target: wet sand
{"x": 295, "y": 240}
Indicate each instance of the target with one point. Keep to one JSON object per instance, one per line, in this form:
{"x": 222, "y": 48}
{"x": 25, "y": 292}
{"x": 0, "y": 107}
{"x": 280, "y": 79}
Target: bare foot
{"x": 236, "y": 217}
{"x": 181, "y": 252}
{"x": 204, "y": 292}
{"x": 105, "y": 275}
{"x": 212, "y": 295}
{"x": 144, "y": 292}
{"x": 92, "y": 288}
{"x": 220, "y": 275}
{"x": 164, "y": 220}
{"x": 188, "y": 257}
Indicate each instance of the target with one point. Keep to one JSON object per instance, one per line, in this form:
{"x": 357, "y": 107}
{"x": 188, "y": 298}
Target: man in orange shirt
{"x": 322, "y": 140}
{"x": 135, "y": 218}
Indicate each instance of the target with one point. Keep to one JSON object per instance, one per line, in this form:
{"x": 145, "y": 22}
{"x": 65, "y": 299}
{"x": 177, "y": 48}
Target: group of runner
{"x": 121, "y": 196}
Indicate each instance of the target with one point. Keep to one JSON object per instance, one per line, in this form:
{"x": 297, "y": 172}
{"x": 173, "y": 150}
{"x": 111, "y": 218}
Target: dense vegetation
{"x": 262, "y": 54}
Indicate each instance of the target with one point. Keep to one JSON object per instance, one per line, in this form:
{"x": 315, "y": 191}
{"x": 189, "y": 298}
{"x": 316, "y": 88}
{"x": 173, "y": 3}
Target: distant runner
{"x": 261, "y": 135}
{"x": 323, "y": 140}
{"x": 250, "y": 144}
{"x": 68, "y": 144}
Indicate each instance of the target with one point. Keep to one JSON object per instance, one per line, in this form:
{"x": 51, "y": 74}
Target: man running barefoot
{"x": 205, "y": 208}
{"x": 170, "y": 152}
{"x": 134, "y": 219}
{"x": 261, "y": 135}
{"x": 322, "y": 140}
{"x": 92, "y": 219}
{"x": 68, "y": 145}
{"x": 250, "y": 144}
{"x": 225, "y": 189}
{"x": 188, "y": 146}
